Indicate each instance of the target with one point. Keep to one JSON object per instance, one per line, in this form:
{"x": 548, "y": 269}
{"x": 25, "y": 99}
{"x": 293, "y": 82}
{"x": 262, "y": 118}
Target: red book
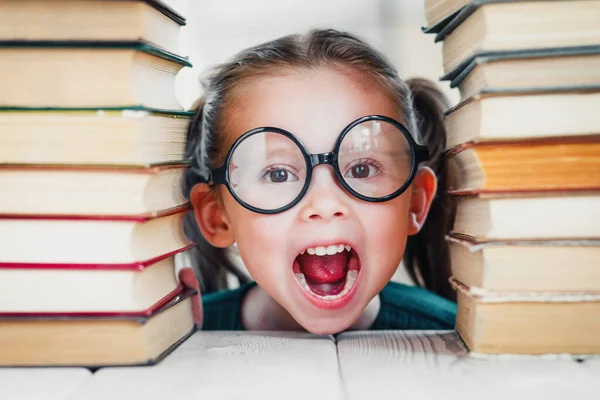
{"x": 100, "y": 339}
{"x": 89, "y": 241}
{"x": 42, "y": 289}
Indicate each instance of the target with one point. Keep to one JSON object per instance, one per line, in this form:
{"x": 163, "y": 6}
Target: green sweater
{"x": 402, "y": 307}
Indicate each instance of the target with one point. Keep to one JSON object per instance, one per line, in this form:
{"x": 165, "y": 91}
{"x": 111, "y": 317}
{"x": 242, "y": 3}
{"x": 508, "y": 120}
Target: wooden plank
{"x": 41, "y": 383}
{"x": 223, "y": 365}
{"x": 593, "y": 365}
{"x": 428, "y": 365}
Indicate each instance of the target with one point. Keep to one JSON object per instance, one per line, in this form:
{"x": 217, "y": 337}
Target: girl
{"x": 304, "y": 154}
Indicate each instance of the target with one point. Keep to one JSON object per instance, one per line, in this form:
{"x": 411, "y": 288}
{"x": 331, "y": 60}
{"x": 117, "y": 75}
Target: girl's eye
{"x": 279, "y": 175}
{"x": 362, "y": 170}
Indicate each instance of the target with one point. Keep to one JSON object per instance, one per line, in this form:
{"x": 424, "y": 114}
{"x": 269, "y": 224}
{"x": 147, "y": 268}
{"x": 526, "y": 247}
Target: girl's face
{"x": 315, "y": 105}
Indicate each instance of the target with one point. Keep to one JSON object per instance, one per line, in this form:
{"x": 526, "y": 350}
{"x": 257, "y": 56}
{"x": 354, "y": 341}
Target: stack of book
{"x": 524, "y": 155}
{"x": 91, "y": 163}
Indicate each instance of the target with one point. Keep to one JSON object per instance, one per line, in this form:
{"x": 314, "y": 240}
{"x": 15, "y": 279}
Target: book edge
{"x": 138, "y": 45}
{"x": 171, "y": 299}
{"x": 522, "y": 55}
{"x": 137, "y": 266}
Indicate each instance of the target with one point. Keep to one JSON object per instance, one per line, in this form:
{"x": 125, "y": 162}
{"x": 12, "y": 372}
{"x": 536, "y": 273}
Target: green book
{"x": 68, "y": 74}
{"x": 151, "y": 21}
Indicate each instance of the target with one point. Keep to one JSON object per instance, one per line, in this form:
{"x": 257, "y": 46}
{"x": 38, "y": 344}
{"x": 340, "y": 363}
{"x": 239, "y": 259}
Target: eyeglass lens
{"x": 375, "y": 159}
{"x": 267, "y": 170}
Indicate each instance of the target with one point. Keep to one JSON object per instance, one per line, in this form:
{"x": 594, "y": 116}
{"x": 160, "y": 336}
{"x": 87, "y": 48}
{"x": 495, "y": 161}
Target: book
{"x": 523, "y": 116}
{"x": 97, "y": 75}
{"x": 91, "y": 20}
{"x": 526, "y": 266}
{"x": 534, "y": 165}
{"x": 437, "y": 11}
{"x": 56, "y": 241}
{"x": 529, "y": 216}
{"x": 522, "y": 25}
{"x": 541, "y": 71}
{"x": 77, "y": 289}
{"x": 96, "y": 341}
{"x": 122, "y": 137}
{"x": 497, "y": 323}
{"x": 99, "y": 191}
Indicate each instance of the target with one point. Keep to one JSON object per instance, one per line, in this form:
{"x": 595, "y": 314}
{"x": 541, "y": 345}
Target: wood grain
{"x": 429, "y": 365}
{"x": 41, "y": 383}
{"x": 229, "y": 365}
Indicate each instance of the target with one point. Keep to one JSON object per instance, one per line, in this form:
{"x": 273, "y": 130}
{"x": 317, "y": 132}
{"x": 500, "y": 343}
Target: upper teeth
{"x": 329, "y": 250}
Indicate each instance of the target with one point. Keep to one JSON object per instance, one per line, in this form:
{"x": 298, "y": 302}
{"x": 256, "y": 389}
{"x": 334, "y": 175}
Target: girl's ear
{"x": 423, "y": 190}
{"x": 211, "y": 217}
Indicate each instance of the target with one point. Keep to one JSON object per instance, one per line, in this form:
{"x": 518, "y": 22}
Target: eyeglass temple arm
{"x": 217, "y": 176}
{"x": 421, "y": 153}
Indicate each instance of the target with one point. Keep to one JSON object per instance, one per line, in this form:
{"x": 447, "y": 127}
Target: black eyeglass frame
{"x": 420, "y": 153}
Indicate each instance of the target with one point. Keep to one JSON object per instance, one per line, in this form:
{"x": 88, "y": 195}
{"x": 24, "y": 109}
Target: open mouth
{"x": 327, "y": 272}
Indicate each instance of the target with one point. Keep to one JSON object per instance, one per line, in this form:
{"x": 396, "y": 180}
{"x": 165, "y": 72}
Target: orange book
{"x": 526, "y": 165}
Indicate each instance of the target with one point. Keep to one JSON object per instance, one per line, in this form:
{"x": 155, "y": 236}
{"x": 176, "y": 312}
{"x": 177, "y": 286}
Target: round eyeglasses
{"x": 268, "y": 170}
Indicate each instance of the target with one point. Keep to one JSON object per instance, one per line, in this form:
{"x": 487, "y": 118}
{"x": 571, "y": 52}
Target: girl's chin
{"x": 322, "y": 317}
{"x": 323, "y": 325}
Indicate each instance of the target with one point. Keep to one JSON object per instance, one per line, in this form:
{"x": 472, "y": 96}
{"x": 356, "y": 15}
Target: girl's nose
{"x": 326, "y": 199}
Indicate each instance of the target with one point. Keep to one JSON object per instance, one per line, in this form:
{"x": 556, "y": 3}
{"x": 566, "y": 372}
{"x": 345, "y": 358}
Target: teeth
{"x": 329, "y": 250}
{"x": 350, "y": 279}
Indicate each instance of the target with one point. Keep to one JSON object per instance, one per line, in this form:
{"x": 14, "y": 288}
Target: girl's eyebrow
{"x": 284, "y": 152}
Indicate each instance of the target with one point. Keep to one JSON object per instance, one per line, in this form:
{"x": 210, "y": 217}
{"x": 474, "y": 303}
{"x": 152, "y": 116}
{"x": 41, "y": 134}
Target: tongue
{"x": 324, "y": 269}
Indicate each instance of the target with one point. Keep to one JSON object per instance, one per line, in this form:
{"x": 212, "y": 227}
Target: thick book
{"x": 104, "y": 242}
{"x": 92, "y": 20}
{"x": 528, "y": 323}
{"x": 529, "y": 216}
{"x": 98, "y": 74}
{"x": 534, "y": 71}
{"x": 534, "y": 165}
{"x": 524, "y": 116}
{"x": 100, "y": 191}
{"x": 526, "y": 266}
{"x": 114, "y": 136}
{"x": 86, "y": 288}
{"x": 490, "y": 27}
{"x": 142, "y": 338}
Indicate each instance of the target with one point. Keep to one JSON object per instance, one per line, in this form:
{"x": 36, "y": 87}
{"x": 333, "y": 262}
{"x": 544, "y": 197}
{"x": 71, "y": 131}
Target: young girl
{"x": 304, "y": 153}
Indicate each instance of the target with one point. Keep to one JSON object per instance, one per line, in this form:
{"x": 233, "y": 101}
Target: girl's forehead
{"x": 313, "y": 104}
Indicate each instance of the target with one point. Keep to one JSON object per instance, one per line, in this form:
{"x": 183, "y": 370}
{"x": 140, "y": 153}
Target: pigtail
{"x": 211, "y": 264}
{"x": 426, "y": 256}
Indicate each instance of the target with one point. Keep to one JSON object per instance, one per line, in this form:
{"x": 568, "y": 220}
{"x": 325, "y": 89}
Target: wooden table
{"x": 289, "y": 365}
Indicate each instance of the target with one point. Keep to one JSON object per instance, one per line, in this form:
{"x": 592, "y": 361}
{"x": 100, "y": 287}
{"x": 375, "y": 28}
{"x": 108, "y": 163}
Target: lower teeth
{"x": 350, "y": 279}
